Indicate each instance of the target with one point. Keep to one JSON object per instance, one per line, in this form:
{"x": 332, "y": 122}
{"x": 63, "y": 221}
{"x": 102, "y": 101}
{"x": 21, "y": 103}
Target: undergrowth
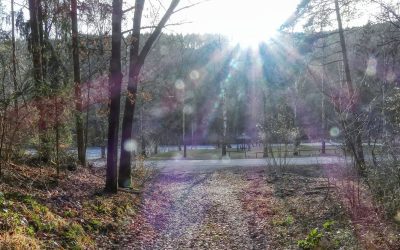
{"x": 74, "y": 214}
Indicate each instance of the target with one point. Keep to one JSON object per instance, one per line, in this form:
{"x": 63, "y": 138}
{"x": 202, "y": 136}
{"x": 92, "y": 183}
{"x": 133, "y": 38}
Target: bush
{"x": 312, "y": 240}
{"x": 384, "y": 183}
{"x": 328, "y": 238}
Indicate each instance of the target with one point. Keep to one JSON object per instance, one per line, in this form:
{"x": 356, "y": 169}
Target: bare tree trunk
{"x": 221, "y": 76}
{"x": 142, "y": 140}
{"x": 225, "y": 119}
{"x": 36, "y": 50}
{"x": 103, "y": 151}
{"x": 77, "y": 85}
{"x": 87, "y": 105}
{"x": 323, "y": 114}
{"x": 265, "y": 139}
{"x": 3, "y": 125}
{"x": 130, "y": 103}
{"x": 136, "y": 62}
{"x": 184, "y": 127}
{"x": 57, "y": 138}
{"x": 352, "y": 126}
{"x": 14, "y": 59}
{"x": 35, "y": 41}
{"x": 42, "y": 34}
{"x": 115, "y": 80}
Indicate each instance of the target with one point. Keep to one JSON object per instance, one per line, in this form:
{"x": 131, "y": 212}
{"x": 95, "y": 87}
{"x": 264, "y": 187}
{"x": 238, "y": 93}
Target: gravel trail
{"x": 193, "y": 211}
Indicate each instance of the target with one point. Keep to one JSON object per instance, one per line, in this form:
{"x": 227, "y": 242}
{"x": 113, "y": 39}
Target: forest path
{"x": 255, "y": 208}
{"x": 200, "y": 211}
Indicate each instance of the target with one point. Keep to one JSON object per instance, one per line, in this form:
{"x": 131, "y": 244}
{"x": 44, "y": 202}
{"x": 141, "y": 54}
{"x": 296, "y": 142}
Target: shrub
{"x": 312, "y": 240}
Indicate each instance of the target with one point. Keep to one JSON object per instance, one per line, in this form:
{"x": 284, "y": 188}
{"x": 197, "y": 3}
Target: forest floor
{"x": 40, "y": 211}
{"x": 232, "y": 208}
{"x": 258, "y": 209}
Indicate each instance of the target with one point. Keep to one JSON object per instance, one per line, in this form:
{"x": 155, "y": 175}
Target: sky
{"x": 243, "y": 21}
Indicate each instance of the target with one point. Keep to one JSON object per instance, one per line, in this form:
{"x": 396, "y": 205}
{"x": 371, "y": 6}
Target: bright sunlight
{"x": 247, "y": 23}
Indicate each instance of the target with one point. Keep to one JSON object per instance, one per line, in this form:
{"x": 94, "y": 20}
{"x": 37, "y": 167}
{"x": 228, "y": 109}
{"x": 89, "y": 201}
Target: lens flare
{"x": 194, "y": 75}
{"x": 130, "y": 145}
{"x": 334, "y": 132}
{"x": 179, "y": 84}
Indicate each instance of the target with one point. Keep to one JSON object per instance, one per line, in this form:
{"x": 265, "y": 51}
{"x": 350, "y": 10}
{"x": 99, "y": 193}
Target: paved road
{"x": 211, "y": 165}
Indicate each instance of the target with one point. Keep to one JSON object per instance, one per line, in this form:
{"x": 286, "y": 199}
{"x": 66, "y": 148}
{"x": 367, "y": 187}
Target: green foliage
{"x": 30, "y": 230}
{"x": 95, "y": 224}
{"x": 31, "y": 215}
{"x": 328, "y": 238}
{"x": 328, "y": 225}
{"x": 10, "y": 220}
{"x": 40, "y": 225}
{"x": 312, "y": 240}
{"x": 289, "y": 220}
{"x": 73, "y": 234}
{"x": 100, "y": 208}
{"x": 342, "y": 236}
{"x": 33, "y": 204}
{"x": 69, "y": 214}
{"x": 385, "y": 186}
{"x": 2, "y": 199}
{"x": 72, "y": 231}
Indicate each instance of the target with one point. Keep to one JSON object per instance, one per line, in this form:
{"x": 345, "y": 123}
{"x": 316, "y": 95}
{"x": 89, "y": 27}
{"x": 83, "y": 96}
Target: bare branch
{"x": 127, "y": 10}
{"x": 153, "y": 37}
{"x": 155, "y": 26}
{"x": 189, "y": 6}
{"x": 320, "y": 65}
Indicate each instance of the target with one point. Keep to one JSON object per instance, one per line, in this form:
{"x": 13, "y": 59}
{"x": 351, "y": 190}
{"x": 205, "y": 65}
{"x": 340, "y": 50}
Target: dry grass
{"x": 70, "y": 212}
{"x": 16, "y": 241}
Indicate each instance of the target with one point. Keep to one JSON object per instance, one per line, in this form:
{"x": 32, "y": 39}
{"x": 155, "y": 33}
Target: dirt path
{"x": 194, "y": 211}
{"x": 237, "y": 209}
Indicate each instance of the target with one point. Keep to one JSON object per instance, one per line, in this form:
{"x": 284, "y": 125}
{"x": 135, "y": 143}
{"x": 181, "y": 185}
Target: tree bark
{"x": 323, "y": 114}
{"x": 352, "y": 126}
{"x": 265, "y": 139}
{"x": 41, "y": 38}
{"x": 35, "y": 43}
{"x": 127, "y": 123}
{"x": 115, "y": 80}
{"x": 77, "y": 85}
{"x": 14, "y": 59}
{"x": 184, "y": 126}
{"x": 224, "y": 118}
{"x": 88, "y": 103}
{"x": 36, "y": 51}
{"x": 136, "y": 62}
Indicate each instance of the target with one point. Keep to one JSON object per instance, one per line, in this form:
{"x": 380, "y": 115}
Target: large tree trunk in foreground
{"x": 36, "y": 50}
{"x": 124, "y": 179}
{"x": 77, "y": 85}
{"x": 115, "y": 80}
{"x": 136, "y": 62}
{"x": 351, "y": 126}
